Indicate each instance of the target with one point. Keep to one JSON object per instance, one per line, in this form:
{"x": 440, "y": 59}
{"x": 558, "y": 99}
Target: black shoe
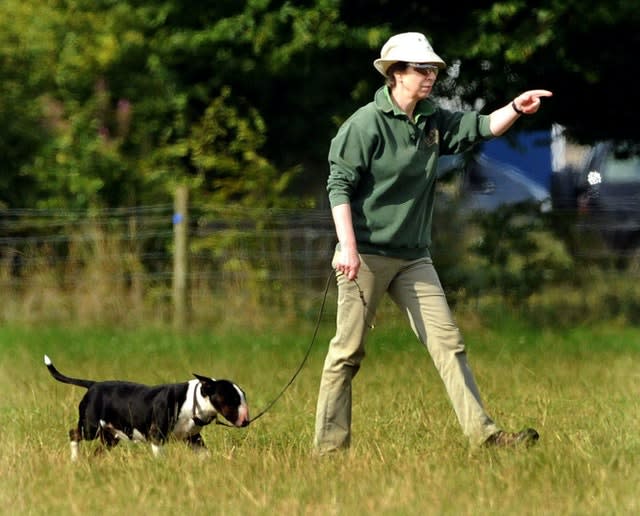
{"x": 502, "y": 439}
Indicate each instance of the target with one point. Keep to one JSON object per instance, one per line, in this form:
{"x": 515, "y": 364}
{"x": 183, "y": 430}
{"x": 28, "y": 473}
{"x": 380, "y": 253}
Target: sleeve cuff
{"x": 337, "y": 199}
{"x": 485, "y": 128}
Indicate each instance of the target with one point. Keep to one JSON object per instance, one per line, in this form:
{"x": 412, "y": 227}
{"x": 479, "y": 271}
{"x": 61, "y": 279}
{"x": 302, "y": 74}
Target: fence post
{"x": 180, "y": 256}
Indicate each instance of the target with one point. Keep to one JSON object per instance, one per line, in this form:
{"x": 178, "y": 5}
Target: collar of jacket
{"x": 384, "y": 103}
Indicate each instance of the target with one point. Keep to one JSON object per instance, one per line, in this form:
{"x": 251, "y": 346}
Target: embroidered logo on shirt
{"x": 432, "y": 137}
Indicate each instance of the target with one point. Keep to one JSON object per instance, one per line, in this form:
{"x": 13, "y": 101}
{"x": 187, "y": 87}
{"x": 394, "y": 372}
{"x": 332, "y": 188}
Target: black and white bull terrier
{"x": 117, "y": 410}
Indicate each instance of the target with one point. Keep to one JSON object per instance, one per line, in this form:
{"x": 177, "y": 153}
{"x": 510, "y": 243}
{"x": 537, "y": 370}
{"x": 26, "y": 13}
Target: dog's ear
{"x": 204, "y": 379}
{"x": 207, "y": 385}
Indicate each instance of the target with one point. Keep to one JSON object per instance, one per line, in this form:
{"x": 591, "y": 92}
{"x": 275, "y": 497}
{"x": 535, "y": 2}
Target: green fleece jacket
{"x": 384, "y": 166}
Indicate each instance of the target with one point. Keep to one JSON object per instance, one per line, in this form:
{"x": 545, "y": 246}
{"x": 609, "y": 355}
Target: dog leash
{"x": 308, "y": 352}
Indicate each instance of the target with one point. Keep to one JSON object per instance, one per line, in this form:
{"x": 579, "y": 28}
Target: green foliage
{"x": 580, "y": 50}
{"x": 107, "y": 103}
{"x": 517, "y": 256}
{"x": 129, "y": 89}
{"x": 104, "y": 103}
{"x": 84, "y": 165}
{"x": 550, "y": 272}
{"x": 511, "y": 253}
{"x": 25, "y": 55}
{"x": 223, "y": 149}
{"x": 558, "y": 45}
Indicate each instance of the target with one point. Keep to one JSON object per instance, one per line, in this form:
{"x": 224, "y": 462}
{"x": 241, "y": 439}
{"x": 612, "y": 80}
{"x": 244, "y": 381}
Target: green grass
{"x": 578, "y": 387}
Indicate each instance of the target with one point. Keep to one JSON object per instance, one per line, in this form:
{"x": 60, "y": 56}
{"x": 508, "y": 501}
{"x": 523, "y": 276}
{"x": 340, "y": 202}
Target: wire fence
{"x": 303, "y": 238}
{"x": 117, "y": 264}
{"x": 125, "y": 258}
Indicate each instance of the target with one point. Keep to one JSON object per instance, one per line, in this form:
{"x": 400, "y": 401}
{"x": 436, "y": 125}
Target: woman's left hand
{"x": 529, "y": 101}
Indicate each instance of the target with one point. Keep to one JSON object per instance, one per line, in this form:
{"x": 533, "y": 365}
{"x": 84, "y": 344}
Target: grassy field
{"x": 578, "y": 387}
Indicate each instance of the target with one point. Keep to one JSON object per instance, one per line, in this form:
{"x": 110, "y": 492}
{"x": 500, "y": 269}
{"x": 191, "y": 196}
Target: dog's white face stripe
{"x": 243, "y": 410}
{"x": 241, "y": 393}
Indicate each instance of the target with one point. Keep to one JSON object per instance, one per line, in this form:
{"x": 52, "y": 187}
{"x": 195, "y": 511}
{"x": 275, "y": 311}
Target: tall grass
{"x": 110, "y": 270}
{"x": 259, "y": 267}
{"x": 578, "y": 387}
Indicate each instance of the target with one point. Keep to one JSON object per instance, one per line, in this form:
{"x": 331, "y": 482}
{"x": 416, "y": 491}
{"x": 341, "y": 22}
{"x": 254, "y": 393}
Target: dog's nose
{"x": 245, "y": 423}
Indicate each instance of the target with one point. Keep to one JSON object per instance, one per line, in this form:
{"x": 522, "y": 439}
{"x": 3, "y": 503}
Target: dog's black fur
{"x": 116, "y": 410}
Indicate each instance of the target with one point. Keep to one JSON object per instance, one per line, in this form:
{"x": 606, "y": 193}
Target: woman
{"x": 381, "y": 189}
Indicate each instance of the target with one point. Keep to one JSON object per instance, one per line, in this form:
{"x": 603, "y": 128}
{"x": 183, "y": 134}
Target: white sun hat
{"x": 410, "y": 47}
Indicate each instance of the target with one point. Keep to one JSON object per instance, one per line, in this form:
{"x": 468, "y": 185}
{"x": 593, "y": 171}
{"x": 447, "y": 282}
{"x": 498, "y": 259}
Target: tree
{"x": 24, "y": 54}
{"x": 582, "y": 50}
{"x": 108, "y": 102}
{"x": 126, "y": 91}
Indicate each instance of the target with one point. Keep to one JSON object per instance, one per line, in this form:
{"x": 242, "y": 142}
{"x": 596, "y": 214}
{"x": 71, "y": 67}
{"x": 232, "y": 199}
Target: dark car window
{"x": 613, "y": 164}
{"x": 621, "y": 169}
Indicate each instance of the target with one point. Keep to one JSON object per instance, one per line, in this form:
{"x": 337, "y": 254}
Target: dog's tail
{"x": 65, "y": 379}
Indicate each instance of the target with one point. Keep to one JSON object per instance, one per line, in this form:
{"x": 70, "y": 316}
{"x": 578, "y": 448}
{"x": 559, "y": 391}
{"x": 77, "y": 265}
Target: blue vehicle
{"x": 487, "y": 184}
{"x": 607, "y": 193}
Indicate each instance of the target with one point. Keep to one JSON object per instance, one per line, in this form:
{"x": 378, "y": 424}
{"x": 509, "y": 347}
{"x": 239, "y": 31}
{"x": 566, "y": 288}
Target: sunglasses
{"x": 424, "y": 68}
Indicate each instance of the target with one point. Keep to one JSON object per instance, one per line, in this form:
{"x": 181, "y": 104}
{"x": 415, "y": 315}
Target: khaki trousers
{"x": 415, "y": 287}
